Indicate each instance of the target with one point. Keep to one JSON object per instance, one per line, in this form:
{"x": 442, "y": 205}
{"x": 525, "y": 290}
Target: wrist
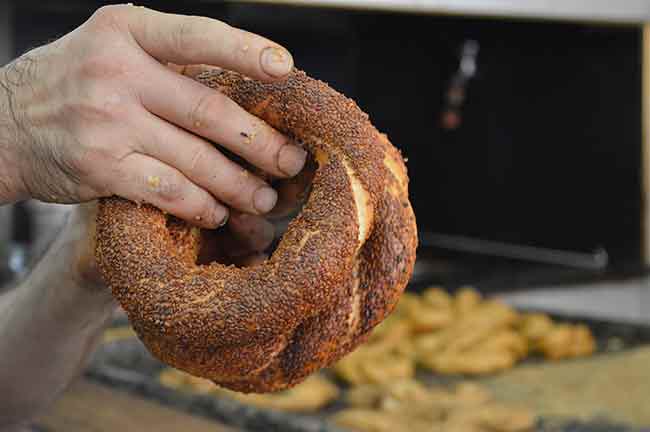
{"x": 11, "y": 184}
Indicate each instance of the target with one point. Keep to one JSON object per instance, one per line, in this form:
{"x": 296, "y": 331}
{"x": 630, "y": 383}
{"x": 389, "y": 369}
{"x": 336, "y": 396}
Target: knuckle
{"x": 265, "y": 149}
{"x": 246, "y": 50}
{"x": 94, "y": 66}
{"x": 231, "y": 196}
{"x": 168, "y": 187}
{"x": 240, "y": 189}
{"x": 189, "y": 37}
{"x": 209, "y": 104}
{"x": 109, "y": 16}
{"x": 182, "y": 37}
{"x": 103, "y": 14}
{"x": 269, "y": 144}
{"x": 102, "y": 65}
{"x": 114, "y": 106}
{"x": 97, "y": 104}
{"x": 238, "y": 45}
{"x": 200, "y": 155}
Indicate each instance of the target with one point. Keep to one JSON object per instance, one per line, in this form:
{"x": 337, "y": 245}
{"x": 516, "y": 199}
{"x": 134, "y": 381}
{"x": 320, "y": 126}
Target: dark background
{"x": 548, "y": 153}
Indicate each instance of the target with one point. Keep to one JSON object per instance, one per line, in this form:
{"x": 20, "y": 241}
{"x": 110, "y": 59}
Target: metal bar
{"x": 607, "y": 11}
{"x": 597, "y": 260}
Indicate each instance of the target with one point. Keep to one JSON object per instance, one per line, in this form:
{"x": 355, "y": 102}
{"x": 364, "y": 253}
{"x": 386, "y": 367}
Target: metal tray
{"x": 127, "y": 364}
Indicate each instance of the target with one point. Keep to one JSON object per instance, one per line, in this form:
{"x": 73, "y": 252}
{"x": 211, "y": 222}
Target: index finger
{"x": 184, "y": 39}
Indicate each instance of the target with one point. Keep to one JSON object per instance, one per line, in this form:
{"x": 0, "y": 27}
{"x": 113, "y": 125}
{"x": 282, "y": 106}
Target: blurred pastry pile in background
{"x": 384, "y": 385}
{"x": 399, "y": 405}
{"x": 461, "y": 334}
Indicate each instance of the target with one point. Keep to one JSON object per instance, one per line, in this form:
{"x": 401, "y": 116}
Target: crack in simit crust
{"x": 337, "y": 272}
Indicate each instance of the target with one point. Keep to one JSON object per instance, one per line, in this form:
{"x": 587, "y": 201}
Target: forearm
{"x": 48, "y": 326}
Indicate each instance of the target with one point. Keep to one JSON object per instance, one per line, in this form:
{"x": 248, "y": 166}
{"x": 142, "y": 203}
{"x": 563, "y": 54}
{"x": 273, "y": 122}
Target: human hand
{"x": 97, "y": 113}
{"x": 293, "y": 192}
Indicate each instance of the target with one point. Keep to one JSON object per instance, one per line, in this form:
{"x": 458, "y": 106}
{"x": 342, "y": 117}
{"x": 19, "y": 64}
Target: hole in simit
{"x": 230, "y": 247}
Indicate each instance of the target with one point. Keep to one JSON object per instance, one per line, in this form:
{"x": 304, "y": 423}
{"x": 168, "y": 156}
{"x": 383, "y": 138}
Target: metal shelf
{"x": 606, "y": 11}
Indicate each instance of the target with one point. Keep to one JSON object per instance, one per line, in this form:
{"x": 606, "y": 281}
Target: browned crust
{"x": 267, "y": 327}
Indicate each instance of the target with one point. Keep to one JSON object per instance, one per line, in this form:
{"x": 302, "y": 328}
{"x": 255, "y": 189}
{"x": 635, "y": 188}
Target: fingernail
{"x": 291, "y": 159}
{"x": 276, "y": 62}
{"x": 221, "y": 216}
{"x": 264, "y": 199}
